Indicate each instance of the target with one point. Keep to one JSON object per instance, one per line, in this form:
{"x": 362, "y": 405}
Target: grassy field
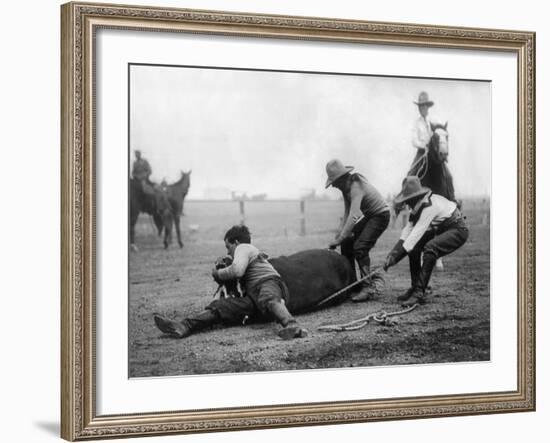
{"x": 453, "y": 327}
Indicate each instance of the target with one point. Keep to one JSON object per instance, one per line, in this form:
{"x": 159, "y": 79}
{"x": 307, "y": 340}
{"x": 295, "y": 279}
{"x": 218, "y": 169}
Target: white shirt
{"x": 435, "y": 209}
{"x": 421, "y": 132}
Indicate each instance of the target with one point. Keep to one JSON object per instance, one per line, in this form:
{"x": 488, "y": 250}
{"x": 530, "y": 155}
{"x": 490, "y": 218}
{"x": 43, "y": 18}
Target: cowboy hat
{"x": 411, "y": 188}
{"x": 335, "y": 170}
{"x": 424, "y": 99}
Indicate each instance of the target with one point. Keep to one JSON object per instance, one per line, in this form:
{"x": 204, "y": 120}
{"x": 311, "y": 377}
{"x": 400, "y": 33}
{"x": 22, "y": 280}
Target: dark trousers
{"x": 433, "y": 245}
{"x": 363, "y": 238}
{"x": 258, "y": 303}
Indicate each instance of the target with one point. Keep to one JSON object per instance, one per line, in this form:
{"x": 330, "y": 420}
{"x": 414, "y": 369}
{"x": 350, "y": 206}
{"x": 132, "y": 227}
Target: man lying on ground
{"x": 265, "y": 290}
{"x": 274, "y": 289}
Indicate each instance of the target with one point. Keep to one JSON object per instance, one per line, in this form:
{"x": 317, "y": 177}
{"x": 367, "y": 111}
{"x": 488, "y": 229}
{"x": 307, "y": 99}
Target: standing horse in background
{"x": 432, "y": 168}
{"x": 171, "y": 206}
{"x": 141, "y": 201}
{"x": 164, "y": 204}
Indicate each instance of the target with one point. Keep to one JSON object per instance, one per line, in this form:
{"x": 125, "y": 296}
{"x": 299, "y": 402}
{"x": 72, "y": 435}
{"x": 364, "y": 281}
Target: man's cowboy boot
{"x": 428, "y": 264}
{"x": 418, "y": 296}
{"x": 290, "y": 329}
{"x": 371, "y": 288}
{"x": 188, "y": 326}
{"x": 171, "y": 327}
{"x": 406, "y": 295}
{"x": 415, "y": 266}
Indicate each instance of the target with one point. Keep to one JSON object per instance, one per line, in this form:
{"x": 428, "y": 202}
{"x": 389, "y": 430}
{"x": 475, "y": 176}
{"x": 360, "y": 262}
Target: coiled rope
{"x": 422, "y": 164}
{"x": 381, "y": 317}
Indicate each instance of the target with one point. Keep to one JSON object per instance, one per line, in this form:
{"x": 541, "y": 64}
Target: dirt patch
{"x": 453, "y": 327}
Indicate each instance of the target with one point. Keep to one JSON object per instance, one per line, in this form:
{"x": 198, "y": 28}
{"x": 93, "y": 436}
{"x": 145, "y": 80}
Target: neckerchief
{"x": 417, "y": 210}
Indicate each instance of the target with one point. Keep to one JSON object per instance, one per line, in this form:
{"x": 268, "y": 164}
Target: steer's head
{"x": 230, "y": 288}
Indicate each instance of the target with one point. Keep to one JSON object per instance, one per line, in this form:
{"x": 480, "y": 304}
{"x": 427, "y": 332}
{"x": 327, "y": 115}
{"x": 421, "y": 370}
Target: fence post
{"x": 302, "y": 217}
{"x": 241, "y": 211}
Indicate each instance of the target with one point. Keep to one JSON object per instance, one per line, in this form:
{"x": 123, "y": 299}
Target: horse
{"x": 431, "y": 166}
{"x": 163, "y": 203}
{"x": 141, "y": 201}
{"x": 171, "y": 206}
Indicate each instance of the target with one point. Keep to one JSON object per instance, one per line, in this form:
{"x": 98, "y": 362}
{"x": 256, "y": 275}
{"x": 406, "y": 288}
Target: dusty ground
{"x": 453, "y": 327}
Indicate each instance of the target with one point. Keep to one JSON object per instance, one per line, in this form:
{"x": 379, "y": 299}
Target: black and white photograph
{"x": 278, "y": 220}
{"x": 284, "y": 220}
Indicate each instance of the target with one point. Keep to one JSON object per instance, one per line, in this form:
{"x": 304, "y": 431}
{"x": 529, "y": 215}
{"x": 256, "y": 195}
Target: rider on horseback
{"x": 141, "y": 171}
{"x": 421, "y": 131}
{"x": 155, "y": 195}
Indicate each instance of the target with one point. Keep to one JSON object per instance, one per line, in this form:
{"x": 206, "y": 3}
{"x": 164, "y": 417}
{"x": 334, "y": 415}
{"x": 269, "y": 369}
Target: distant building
{"x": 238, "y": 196}
{"x": 217, "y": 194}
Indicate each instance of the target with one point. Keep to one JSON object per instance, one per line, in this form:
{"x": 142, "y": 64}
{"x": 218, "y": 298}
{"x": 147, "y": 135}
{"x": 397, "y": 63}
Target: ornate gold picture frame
{"x": 79, "y": 396}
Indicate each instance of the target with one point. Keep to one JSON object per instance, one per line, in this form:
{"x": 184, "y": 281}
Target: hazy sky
{"x": 273, "y": 132}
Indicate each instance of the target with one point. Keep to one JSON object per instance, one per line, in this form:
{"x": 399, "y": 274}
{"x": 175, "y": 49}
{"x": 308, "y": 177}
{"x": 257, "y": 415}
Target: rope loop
{"x": 423, "y": 168}
{"x": 381, "y": 317}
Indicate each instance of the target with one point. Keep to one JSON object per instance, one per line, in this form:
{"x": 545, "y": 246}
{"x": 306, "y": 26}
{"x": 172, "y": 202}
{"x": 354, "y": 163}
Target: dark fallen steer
{"x": 311, "y": 277}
